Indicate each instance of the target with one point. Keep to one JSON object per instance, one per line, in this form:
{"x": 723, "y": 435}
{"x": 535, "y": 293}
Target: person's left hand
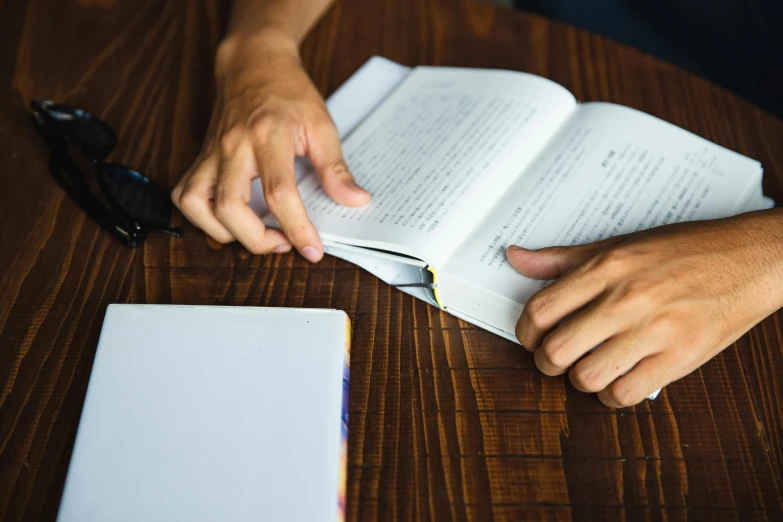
{"x": 660, "y": 303}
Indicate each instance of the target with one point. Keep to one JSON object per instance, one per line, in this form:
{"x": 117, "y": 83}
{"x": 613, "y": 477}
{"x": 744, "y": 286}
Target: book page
{"x": 612, "y": 170}
{"x": 437, "y": 155}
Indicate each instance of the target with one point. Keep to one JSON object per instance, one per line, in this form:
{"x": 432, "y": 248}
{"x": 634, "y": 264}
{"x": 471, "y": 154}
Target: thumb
{"x": 556, "y": 261}
{"x": 326, "y": 156}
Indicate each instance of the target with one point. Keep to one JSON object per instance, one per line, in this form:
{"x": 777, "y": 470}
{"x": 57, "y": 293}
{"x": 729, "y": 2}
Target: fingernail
{"x": 353, "y": 186}
{"x": 311, "y": 254}
{"x": 282, "y": 249}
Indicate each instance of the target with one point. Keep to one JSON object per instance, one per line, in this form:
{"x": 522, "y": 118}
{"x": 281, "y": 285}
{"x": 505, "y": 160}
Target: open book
{"x": 462, "y": 163}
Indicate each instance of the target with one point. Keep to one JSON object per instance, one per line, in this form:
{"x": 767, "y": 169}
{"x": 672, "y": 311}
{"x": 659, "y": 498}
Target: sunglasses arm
{"x": 85, "y": 199}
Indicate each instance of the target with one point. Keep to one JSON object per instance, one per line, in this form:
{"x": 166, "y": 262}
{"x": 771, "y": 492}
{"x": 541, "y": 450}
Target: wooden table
{"x": 447, "y": 422}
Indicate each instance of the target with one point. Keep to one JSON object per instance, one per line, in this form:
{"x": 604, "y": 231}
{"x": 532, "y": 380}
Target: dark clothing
{"x": 737, "y": 44}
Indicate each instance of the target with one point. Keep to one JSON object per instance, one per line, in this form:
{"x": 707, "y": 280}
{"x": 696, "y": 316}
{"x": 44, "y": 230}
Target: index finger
{"x": 275, "y": 159}
{"x": 557, "y": 301}
{"x": 231, "y": 205}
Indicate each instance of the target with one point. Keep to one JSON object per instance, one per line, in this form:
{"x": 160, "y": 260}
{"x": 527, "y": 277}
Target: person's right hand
{"x": 266, "y": 111}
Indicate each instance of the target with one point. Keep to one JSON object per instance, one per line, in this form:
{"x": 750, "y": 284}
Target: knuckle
{"x": 277, "y": 194}
{"x": 587, "y": 380}
{"x": 630, "y": 298}
{"x": 521, "y": 334}
{"x": 624, "y": 396}
{"x": 189, "y": 201}
{"x": 338, "y": 167}
{"x": 270, "y": 118}
{"x": 556, "y": 250}
{"x": 537, "y": 310}
{"x": 615, "y": 260}
{"x": 223, "y": 239}
{"x": 262, "y": 126}
{"x": 324, "y": 127}
{"x": 320, "y": 120}
{"x": 230, "y": 140}
{"x": 176, "y": 195}
{"x": 665, "y": 326}
{"x": 637, "y": 302}
{"x": 543, "y": 364}
{"x": 634, "y": 294}
{"x": 554, "y": 352}
{"x": 555, "y": 356}
{"x": 645, "y": 289}
{"x": 226, "y": 208}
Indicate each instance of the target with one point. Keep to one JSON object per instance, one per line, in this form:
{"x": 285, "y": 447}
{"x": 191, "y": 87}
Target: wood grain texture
{"x": 447, "y": 422}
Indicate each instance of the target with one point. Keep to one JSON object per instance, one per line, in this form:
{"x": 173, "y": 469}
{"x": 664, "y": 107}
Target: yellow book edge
{"x": 435, "y": 290}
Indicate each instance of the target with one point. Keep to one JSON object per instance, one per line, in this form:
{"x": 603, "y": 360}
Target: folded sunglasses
{"x": 131, "y": 205}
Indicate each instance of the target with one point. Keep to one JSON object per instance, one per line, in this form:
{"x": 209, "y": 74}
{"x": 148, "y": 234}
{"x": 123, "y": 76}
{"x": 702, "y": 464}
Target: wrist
{"x": 764, "y": 231}
{"x": 238, "y": 50}
{"x": 776, "y": 239}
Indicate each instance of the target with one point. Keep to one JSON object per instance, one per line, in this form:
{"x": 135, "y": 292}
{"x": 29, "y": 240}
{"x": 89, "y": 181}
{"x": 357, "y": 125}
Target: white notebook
{"x": 213, "y": 413}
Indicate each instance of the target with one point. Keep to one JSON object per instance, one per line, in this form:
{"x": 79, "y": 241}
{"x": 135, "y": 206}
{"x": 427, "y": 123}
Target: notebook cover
{"x": 213, "y": 413}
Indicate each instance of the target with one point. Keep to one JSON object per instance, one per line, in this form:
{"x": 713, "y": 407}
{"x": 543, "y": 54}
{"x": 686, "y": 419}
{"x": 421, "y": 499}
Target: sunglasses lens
{"x": 82, "y": 128}
{"x": 91, "y": 135}
{"x": 137, "y": 195}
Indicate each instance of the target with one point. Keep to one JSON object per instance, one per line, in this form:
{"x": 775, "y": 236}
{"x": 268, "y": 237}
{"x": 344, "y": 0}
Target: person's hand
{"x": 660, "y": 303}
{"x": 266, "y": 111}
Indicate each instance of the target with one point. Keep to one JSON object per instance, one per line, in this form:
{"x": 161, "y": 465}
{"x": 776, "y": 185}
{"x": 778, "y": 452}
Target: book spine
{"x": 343, "y": 480}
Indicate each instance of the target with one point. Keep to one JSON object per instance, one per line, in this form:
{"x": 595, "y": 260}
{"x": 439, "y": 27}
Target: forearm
{"x": 765, "y": 259}
{"x": 282, "y": 18}
{"x": 263, "y": 36}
